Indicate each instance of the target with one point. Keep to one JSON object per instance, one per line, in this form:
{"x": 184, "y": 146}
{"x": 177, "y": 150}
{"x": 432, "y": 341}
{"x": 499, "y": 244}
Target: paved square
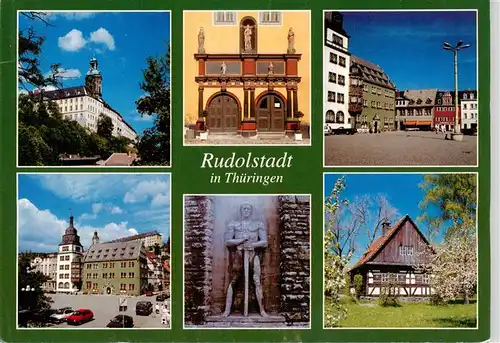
{"x": 399, "y": 148}
{"x": 105, "y": 307}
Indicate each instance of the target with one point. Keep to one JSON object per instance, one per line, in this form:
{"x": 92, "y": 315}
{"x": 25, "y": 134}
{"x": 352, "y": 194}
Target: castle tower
{"x": 69, "y": 260}
{"x": 93, "y": 80}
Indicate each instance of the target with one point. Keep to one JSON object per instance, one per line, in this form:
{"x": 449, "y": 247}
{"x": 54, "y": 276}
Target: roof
{"x": 113, "y": 251}
{"x": 371, "y": 72}
{"x": 380, "y": 242}
{"x": 335, "y": 22}
{"x": 120, "y": 159}
{"x": 63, "y": 93}
{"x": 136, "y": 237}
{"x": 421, "y": 94}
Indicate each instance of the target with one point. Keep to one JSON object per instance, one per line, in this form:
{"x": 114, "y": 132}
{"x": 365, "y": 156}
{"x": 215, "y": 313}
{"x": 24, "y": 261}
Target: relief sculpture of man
{"x": 246, "y": 239}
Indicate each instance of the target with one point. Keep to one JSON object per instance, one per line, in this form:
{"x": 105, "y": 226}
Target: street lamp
{"x": 29, "y": 291}
{"x": 457, "y": 136}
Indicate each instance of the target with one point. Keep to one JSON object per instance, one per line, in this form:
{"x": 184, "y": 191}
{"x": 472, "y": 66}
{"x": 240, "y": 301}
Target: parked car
{"x": 43, "y": 315}
{"x": 327, "y": 130}
{"x": 149, "y": 293}
{"x": 60, "y": 315}
{"x": 80, "y": 316}
{"x": 143, "y": 308}
{"x": 161, "y": 297}
{"x": 121, "y": 321}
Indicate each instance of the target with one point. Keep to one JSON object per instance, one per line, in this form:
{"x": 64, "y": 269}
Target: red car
{"x": 80, "y": 316}
{"x": 149, "y": 294}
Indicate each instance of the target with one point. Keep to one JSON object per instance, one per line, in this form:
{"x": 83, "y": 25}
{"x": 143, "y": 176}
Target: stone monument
{"x": 201, "y": 41}
{"x": 291, "y": 42}
{"x": 248, "y": 38}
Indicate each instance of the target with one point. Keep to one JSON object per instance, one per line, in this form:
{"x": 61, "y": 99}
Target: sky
{"x": 121, "y": 42}
{"x": 408, "y": 46}
{"x": 114, "y": 205}
{"x": 401, "y": 190}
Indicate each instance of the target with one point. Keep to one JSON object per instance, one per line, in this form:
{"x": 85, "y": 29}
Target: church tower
{"x": 93, "y": 80}
{"x": 69, "y": 260}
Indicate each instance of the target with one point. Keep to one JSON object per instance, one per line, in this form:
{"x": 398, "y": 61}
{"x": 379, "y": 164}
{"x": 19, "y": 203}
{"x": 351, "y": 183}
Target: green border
{"x": 189, "y": 178}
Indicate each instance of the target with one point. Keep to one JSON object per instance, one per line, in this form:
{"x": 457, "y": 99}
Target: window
{"x": 131, "y": 287}
{"x": 406, "y": 250}
{"x": 340, "y": 98}
{"x": 89, "y": 284}
{"x": 123, "y": 264}
{"x": 95, "y": 276}
{"x": 385, "y": 277}
{"x": 342, "y": 61}
{"x": 270, "y": 18}
{"x": 131, "y": 264}
{"x": 112, "y": 265}
{"x": 104, "y": 275}
{"x": 374, "y": 90}
{"x": 341, "y": 80}
{"x": 89, "y": 276}
{"x": 337, "y": 40}
{"x": 340, "y": 117}
{"x": 66, "y": 258}
{"x": 332, "y": 77}
{"x": 425, "y": 278}
{"x": 61, "y": 267}
{"x": 465, "y": 106}
{"x": 131, "y": 275}
{"x": 333, "y": 58}
{"x": 365, "y": 103}
{"x": 65, "y": 248}
{"x": 365, "y": 88}
{"x": 331, "y": 96}
{"x": 61, "y": 258}
{"x": 66, "y": 267}
{"x": 105, "y": 265}
{"x": 224, "y": 18}
{"x": 330, "y": 117}
{"x": 111, "y": 275}
{"x": 123, "y": 275}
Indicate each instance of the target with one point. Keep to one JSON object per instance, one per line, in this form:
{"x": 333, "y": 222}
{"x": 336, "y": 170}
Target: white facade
{"x": 47, "y": 266}
{"x": 85, "y": 110}
{"x": 67, "y": 253}
{"x": 469, "y": 110}
{"x": 336, "y": 64}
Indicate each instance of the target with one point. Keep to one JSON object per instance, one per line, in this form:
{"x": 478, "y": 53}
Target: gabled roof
{"x": 114, "y": 251}
{"x": 380, "y": 242}
{"x": 371, "y": 72}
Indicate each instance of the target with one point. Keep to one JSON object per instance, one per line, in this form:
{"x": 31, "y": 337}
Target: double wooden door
{"x": 270, "y": 114}
{"x": 223, "y": 114}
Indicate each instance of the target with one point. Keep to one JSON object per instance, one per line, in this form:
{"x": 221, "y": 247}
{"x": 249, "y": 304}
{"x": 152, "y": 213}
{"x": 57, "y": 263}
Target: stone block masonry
{"x": 199, "y": 225}
{"x": 294, "y": 213}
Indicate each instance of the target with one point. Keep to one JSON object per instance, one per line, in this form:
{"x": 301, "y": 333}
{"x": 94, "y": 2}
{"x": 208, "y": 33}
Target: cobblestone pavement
{"x": 399, "y": 148}
{"x": 238, "y": 140}
{"x": 105, "y": 307}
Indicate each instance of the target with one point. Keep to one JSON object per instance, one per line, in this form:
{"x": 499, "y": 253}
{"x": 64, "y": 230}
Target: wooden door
{"x": 271, "y": 114}
{"x": 223, "y": 114}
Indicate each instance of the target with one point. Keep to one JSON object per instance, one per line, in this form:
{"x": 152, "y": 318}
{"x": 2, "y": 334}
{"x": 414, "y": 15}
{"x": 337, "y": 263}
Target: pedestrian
{"x": 157, "y": 308}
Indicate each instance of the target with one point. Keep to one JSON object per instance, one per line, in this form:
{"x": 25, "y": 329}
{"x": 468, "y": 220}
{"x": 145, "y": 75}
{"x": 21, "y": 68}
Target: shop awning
{"x": 424, "y": 122}
{"x": 410, "y": 122}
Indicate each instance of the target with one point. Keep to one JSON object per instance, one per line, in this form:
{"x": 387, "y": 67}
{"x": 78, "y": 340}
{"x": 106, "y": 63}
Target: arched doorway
{"x": 270, "y": 113}
{"x": 108, "y": 290}
{"x": 223, "y": 113}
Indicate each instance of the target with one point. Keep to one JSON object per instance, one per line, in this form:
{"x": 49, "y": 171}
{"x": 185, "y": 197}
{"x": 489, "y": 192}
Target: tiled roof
{"x": 120, "y": 159}
{"x": 375, "y": 247}
{"x": 113, "y": 251}
{"x": 421, "y": 94}
{"x": 371, "y": 72}
{"x": 63, "y": 93}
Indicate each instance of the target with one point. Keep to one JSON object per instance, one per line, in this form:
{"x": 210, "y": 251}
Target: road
{"x": 105, "y": 307}
{"x": 399, "y": 148}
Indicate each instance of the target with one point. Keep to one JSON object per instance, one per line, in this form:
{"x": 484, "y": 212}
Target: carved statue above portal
{"x": 291, "y": 42}
{"x": 245, "y": 239}
{"x": 248, "y": 38}
{"x": 201, "y": 41}
{"x": 270, "y": 69}
{"x": 223, "y": 69}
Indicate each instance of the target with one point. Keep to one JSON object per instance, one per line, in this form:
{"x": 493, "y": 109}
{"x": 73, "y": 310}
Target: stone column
{"x": 289, "y": 109}
{"x": 295, "y": 102}
{"x": 245, "y": 104}
{"x": 200, "y": 101}
{"x": 199, "y": 225}
{"x": 252, "y": 103}
{"x": 294, "y": 212}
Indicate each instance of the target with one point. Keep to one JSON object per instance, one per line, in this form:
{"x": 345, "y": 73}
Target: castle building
{"x": 336, "y": 80}
{"x": 84, "y": 104}
{"x": 247, "y": 72}
{"x": 69, "y": 260}
{"x": 148, "y": 239}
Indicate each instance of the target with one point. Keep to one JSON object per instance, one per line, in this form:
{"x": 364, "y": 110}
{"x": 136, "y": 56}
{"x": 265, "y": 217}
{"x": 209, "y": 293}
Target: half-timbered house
{"x": 395, "y": 256}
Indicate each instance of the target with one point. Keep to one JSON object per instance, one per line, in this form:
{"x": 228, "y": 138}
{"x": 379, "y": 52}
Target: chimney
{"x": 385, "y": 227}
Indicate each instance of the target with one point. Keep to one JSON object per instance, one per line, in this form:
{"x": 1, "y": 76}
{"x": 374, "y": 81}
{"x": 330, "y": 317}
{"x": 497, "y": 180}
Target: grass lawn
{"x": 407, "y": 315}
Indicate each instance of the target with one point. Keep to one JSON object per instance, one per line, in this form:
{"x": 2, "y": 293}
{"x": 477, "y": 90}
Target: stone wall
{"x": 198, "y": 229}
{"x": 294, "y": 212}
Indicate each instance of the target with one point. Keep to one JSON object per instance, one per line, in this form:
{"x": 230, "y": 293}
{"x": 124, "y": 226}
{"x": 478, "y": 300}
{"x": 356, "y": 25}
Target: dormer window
{"x": 419, "y": 102}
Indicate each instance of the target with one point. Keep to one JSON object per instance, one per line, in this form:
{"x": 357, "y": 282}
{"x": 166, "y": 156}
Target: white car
{"x": 61, "y": 314}
{"x": 327, "y": 130}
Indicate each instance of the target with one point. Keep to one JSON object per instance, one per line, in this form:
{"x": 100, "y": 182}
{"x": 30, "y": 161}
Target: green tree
{"x": 105, "y": 126}
{"x": 154, "y": 146}
{"x": 36, "y": 299}
{"x": 453, "y": 198}
{"x": 358, "y": 285}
